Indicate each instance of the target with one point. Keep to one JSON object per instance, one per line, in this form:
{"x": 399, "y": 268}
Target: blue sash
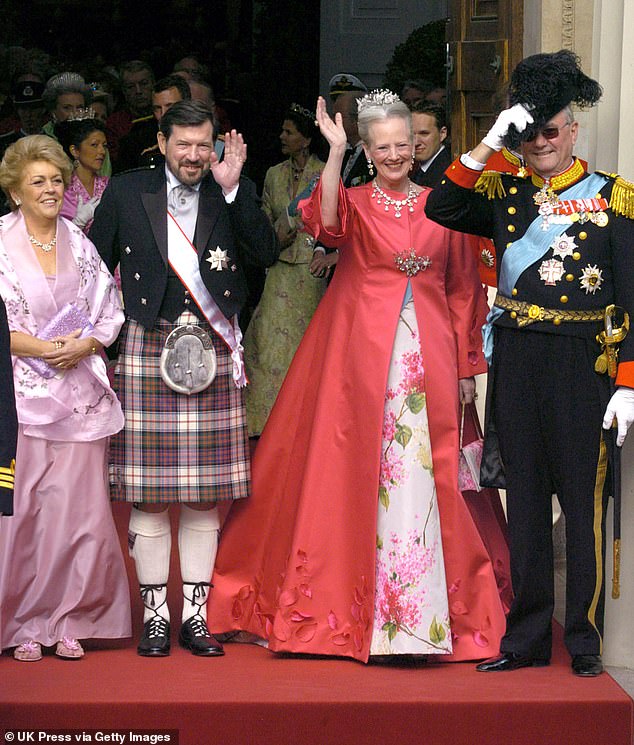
{"x": 528, "y": 249}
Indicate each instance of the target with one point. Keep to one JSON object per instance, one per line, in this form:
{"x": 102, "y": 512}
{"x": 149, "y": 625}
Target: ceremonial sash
{"x": 183, "y": 258}
{"x": 528, "y": 249}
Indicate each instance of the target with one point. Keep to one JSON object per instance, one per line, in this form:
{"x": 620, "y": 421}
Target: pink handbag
{"x": 469, "y": 460}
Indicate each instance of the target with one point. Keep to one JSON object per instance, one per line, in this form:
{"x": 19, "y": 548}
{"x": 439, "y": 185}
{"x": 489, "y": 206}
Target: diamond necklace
{"x": 46, "y": 247}
{"x": 409, "y": 201}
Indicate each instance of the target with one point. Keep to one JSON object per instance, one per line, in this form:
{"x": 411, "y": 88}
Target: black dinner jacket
{"x": 130, "y": 229}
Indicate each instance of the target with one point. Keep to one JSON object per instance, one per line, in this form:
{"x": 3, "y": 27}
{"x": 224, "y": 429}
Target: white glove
{"x": 85, "y": 212}
{"x": 517, "y": 115}
{"x": 621, "y": 406}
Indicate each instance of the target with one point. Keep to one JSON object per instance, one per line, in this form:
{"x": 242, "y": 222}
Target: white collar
{"x": 424, "y": 164}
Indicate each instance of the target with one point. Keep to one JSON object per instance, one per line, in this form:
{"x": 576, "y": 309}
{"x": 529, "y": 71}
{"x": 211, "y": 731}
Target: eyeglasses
{"x": 549, "y": 133}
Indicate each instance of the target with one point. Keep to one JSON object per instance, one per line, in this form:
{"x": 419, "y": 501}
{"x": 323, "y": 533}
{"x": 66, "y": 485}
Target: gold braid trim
{"x": 622, "y": 199}
{"x": 490, "y": 183}
{"x": 7, "y": 476}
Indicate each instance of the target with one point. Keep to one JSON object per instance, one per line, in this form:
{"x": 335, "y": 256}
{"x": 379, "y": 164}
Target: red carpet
{"x": 252, "y": 697}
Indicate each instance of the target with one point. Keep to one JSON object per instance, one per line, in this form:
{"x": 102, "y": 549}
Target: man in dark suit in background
{"x": 181, "y": 235}
{"x": 431, "y": 154}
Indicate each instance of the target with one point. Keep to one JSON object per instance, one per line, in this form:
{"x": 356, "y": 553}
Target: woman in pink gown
{"x": 356, "y": 540}
{"x": 62, "y": 576}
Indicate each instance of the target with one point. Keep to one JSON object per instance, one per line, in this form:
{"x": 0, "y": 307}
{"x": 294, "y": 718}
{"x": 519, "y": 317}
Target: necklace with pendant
{"x": 46, "y": 247}
{"x": 382, "y": 198}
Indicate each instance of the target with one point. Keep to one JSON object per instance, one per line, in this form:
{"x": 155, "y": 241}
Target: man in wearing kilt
{"x": 563, "y": 238}
{"x": 181, "y": 235}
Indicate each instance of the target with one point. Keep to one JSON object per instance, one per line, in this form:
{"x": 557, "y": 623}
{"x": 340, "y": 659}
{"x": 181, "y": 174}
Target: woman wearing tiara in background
{"x": 290, "y": 293}
{"x": 84, "y": 141}
{"x": 356, "y": 540}
{"x": 62, "y": 576}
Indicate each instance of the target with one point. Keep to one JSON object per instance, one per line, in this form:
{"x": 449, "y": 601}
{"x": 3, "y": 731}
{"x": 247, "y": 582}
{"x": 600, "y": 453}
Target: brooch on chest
{"x": 410, "y": 263}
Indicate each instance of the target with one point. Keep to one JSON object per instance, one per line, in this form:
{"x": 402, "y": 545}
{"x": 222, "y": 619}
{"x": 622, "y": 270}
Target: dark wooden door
{"x": 485, "y": 43}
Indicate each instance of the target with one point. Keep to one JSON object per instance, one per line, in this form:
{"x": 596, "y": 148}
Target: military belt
{"x": 527, "y": 313}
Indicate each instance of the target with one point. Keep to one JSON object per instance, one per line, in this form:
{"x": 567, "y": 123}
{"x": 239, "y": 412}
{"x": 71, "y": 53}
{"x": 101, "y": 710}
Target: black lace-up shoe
{"x": 155, "y": 639}
{"x": 194, "y": 635}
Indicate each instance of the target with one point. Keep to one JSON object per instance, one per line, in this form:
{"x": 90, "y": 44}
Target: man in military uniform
{"x": 8, "y": 418}
{"x": 181, "y": 235}
{"x": 139, "y": 147}
{"x": 563, "y": 239}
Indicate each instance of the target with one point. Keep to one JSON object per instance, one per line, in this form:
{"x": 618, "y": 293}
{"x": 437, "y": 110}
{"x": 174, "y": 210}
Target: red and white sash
{"x": 183, "y": 258}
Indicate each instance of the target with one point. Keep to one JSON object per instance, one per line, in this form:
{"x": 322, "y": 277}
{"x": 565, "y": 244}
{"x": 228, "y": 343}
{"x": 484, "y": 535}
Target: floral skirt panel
{"x": 411, "y": 614}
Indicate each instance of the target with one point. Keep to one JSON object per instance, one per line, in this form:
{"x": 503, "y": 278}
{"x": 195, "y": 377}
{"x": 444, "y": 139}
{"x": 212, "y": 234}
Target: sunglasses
{"x": 549, "y": 133}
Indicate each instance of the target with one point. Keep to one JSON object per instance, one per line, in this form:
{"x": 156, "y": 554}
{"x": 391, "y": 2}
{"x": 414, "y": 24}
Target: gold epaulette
{"x": 622, "y": 199}
{"x": 151, "y": 149}
{"x": 7, "y": 476}
{"x": 490, "y": 183}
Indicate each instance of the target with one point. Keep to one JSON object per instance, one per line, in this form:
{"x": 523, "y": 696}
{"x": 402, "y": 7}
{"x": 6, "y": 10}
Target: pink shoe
{"x": 29, "y": 651}
{"x": 69, "y": 648}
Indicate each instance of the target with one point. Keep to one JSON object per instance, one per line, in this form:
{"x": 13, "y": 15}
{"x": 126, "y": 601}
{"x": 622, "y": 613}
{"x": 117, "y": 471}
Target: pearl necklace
{"x": 46, "y": 247}
{"x": 409, "y": 201}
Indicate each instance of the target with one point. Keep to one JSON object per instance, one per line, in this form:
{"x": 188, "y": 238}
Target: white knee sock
{"x": 197, "y": 546}
{"x": 150, "y": 541}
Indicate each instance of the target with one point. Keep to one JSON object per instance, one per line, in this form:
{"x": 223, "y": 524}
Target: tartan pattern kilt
{"x": 175, "y": 447}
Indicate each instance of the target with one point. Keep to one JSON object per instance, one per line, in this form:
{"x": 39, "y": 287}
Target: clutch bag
{"x": 69, "y": 318}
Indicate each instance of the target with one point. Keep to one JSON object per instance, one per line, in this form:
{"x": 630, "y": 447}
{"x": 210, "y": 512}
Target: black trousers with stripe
{"x": 548, "y": 406}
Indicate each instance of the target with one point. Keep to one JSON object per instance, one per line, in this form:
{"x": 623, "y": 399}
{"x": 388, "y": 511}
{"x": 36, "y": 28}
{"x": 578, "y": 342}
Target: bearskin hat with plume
{"x": 547, "y": 83}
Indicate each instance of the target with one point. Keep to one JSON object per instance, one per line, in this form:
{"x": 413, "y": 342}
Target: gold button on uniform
{"x": 513, "y": 314}
{"x": 513, "y": 190}
{"x": 576, "y": 256}
{"x": 564, "y": 298}
{"x": 570, "y": 277}
{"x": 583, "y": 235}
{"x": 511, "y": 210}
{"x": 511, "y": 228}
{"x": 514, "y": 291}
{"x": 556, "y": 321}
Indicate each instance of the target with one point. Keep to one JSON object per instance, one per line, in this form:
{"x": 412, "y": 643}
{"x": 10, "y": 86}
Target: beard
{"x": 181, "y": 169}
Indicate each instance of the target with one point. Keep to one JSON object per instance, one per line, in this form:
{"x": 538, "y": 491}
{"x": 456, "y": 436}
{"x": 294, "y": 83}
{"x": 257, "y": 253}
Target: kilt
{"x": 175, "y": 447}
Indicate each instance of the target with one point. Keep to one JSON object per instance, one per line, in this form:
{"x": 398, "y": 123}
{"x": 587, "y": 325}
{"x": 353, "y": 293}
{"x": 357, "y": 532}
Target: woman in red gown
{"x": 356, "y": 540}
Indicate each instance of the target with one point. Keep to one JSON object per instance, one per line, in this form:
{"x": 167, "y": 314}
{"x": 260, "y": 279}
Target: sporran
{"x": 188, "y": 360}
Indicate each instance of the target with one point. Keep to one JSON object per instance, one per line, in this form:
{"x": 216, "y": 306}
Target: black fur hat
{"x": 548, "y": 83}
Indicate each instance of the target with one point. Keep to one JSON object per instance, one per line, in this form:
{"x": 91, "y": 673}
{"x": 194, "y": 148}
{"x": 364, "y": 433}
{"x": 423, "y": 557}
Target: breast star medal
{"x": 563, "y": 246}
{"x": 591, "y": 279}
{"x": 217, "y": 259}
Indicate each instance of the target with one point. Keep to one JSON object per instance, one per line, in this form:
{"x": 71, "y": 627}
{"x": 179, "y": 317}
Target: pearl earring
{"x": 17, "y": 201}
{"x": 370, "y": 167}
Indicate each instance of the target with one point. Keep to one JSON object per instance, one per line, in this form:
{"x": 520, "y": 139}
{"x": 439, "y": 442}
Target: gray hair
{"x": 369, "y": 114}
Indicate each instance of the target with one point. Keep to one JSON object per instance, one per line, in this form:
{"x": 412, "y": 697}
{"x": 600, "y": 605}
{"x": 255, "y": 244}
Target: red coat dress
{"x": 296, "y": 562}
